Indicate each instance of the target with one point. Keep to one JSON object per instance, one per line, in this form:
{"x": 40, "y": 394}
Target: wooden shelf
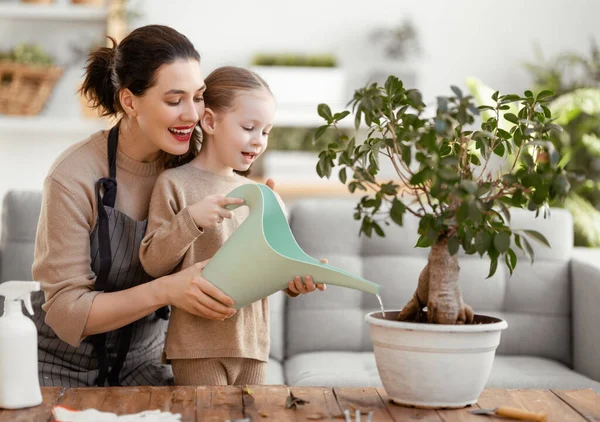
{"x": 62, "y": 12}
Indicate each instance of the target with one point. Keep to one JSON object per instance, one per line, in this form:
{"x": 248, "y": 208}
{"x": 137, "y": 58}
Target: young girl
{"x": 188, "y": 223}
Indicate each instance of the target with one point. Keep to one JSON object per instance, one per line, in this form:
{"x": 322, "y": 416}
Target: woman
{"x": 103, "y": 319}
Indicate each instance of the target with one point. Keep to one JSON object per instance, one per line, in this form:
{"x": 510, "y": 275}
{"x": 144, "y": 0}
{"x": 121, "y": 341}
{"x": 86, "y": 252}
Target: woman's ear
{"x": 208, "y": 121}
{"x": 128, "y": 102}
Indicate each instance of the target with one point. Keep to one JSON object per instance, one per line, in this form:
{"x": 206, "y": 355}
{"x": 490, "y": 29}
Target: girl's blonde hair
{"x": 222, "y": 87}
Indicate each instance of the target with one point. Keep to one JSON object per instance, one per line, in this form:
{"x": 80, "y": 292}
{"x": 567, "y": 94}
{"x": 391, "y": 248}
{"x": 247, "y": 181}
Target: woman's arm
{"x": 186, "y": 289}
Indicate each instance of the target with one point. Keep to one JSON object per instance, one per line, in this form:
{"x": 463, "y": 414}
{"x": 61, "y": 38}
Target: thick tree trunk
{"x": 439, "y": 290}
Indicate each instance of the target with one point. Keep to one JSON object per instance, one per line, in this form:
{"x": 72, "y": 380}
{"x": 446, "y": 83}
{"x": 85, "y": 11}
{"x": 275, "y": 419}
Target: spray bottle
{"x": 19, "y": 382}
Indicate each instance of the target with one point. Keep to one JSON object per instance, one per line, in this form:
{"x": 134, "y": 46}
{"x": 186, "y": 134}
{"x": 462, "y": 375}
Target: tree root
{"x": 439, "y": 290}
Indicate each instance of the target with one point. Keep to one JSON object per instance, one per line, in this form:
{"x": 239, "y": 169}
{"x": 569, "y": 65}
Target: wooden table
{"x": 267, "y": 403}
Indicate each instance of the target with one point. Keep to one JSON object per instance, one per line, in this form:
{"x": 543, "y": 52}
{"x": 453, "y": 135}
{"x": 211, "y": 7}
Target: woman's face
{"x": 168, "y": 112}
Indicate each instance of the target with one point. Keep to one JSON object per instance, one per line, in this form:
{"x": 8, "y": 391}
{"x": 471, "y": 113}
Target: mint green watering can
{"x": 262, "y": 256}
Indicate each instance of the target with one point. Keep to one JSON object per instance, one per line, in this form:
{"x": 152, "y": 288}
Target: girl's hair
{"x": 222, "y": 87}
{"x": 133, "y": 64}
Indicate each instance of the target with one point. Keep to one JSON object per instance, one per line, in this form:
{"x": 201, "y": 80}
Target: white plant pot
{"x": 433, "y": 365}
{"x": 305, "y": 86}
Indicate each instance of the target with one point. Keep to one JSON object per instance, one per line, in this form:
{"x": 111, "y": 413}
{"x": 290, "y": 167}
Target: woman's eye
{"x": 199, "y": 99}
{"x": 173, "y": 104}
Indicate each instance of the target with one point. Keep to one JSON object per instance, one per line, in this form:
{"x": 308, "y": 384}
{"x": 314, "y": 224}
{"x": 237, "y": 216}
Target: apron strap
{"x": 109, "y": 186}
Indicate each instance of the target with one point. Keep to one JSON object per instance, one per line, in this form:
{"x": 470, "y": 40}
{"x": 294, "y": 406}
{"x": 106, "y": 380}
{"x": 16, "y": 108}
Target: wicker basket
{"x": 24, "y": 89}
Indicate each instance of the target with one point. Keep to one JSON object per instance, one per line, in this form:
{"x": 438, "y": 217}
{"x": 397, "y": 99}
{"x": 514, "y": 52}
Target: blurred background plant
{"x": 398, "y": 42}
{"x": 575, "y": 78}
{"x": 25, "y": 53}
{"x": 296, "y": 60}
{"x": 294, "y": 140}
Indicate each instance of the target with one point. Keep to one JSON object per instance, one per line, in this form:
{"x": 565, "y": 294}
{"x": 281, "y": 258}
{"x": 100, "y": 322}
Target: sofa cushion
{"x": 20, "y": 214}
{"x": 275, "y": 374}
{"x": 277, "y": 319}
{"x": 535, "y": 372}
{"x": 358, "y": 369}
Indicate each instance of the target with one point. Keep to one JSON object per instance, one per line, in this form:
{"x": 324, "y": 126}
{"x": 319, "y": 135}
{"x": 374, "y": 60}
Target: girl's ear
{"x": 208, "y": 121}
{"x": 128, "y": 102}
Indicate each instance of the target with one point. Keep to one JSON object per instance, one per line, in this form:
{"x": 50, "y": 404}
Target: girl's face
{"x": 240, "y": 135}
{"x": 168, "y": 111}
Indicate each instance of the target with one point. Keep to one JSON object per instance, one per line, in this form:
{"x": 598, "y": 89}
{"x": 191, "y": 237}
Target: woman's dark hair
{"x": 132, "y": 64}
{"x": 222, "y": 87}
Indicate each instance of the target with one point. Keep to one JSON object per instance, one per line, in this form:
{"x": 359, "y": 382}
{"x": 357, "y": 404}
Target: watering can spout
{"x": 262, "y": 255}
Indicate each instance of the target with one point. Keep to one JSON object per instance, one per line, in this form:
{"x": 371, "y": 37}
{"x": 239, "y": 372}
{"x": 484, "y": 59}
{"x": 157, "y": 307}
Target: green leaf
{"x": 342, "y": 175}
{"x": 544, "y": 94}
{"x": 423, "y": 242}
{"x": 500, "y": 150}
{"x": 325, "y": 112}
{"x": 528, "y": 249}
{"x": 324, "y": 167}
{"x": 511, "y": 118}
{"x": 421, "y": 177}
{"x": 474, "y": 160}
{"x": 397, "y": 211}
{"x": 320, "y": 131}
{"x": 482, "y": 242}
{"x": 495, "y": 96}
{"x": 457, "y": 91}
{"x": 453, "y": 245}
{"x": 511, "y": 260}
{"x": 529, "y": 94}
{"x": 505, "y": 212}
{"x": 493, "y": 267}
{"x": 538, "y": 236}
{"x": 378, "y": 229}
{"x": 502, "y": 241}
{"x": 449, "y": 174}
{"x": 474, "y": 212}
{"x": 339, "y": 116}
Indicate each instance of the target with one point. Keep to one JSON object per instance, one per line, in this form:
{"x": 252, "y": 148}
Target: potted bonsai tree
{"x": 435, "y": 352}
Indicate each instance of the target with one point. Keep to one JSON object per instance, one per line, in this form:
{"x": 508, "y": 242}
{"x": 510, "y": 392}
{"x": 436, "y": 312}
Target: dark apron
{"x": 127, "y": 356}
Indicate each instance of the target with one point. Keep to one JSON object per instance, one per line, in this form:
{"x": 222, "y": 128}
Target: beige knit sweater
{"x": 173, "y": 242}
{"x": 62, "y": 260}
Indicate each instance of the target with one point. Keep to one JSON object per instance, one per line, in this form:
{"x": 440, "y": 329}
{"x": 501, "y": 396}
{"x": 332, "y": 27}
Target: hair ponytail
{"x": 99, "y": 86}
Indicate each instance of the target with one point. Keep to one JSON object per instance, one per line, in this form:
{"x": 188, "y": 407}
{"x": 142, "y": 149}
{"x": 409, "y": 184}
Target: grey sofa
{"x": 553, "y": 335}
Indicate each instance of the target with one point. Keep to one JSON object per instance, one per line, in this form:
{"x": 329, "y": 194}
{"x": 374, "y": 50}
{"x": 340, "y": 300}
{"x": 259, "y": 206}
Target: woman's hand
{"x": 190, "y": 291}
{"x": 297, "y": 287}
{"x": 211, "y": 211}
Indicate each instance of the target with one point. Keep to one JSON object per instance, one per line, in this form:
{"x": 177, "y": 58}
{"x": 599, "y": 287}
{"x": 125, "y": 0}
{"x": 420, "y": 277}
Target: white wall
{"x": 460, "y": 38}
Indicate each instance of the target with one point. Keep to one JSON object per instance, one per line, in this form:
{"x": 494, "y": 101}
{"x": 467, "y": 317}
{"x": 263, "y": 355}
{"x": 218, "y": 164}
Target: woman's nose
{"x": 191, "y": 112}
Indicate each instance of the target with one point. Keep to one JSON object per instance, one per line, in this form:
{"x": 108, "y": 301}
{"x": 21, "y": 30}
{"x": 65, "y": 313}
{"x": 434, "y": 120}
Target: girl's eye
{"x": 173, "y": 104}
{"x": 199, "y": 99}
{"x": 266, "y": 133}
{"x": 249, "y": 129}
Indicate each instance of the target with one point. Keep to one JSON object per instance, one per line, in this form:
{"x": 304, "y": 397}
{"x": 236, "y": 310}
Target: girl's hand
{"x": 211, "y": 211}
{"x": 190, "y": 291}
{"x": 297, "y": 287}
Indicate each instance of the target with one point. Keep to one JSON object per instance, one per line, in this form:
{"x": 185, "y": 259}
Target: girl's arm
{"x": 171, "y": 230}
